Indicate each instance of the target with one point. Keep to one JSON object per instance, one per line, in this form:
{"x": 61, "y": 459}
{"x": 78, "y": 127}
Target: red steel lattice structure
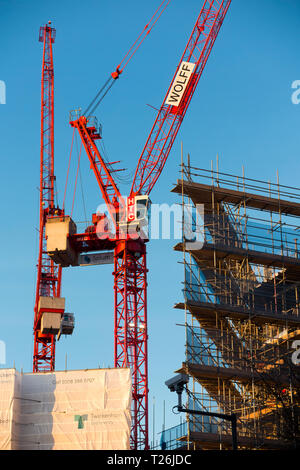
{"x": 169, "y": 118}
{"x": 130, "y": 270}
{"x": 130, "y": 286}
{"x": 48, "y": 273}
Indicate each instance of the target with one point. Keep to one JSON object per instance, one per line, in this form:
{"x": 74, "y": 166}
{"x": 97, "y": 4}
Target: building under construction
{"x": 241, "y": 302}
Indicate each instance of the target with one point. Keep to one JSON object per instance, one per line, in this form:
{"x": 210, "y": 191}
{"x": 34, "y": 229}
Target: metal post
{"x": 231, "y": 418}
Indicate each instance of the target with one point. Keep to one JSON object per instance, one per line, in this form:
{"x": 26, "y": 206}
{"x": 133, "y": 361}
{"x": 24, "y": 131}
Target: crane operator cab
{"x": 138, "y": 215}
{"x": 67, "y": 324}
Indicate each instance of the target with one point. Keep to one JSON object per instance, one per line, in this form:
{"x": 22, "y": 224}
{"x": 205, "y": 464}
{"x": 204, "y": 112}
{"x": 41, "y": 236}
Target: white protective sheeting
{"x": 85, "y": 409}
{"x": 10, "y": 391}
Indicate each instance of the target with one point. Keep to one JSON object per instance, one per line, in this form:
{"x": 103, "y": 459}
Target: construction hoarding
{"x": 84, "y": 409}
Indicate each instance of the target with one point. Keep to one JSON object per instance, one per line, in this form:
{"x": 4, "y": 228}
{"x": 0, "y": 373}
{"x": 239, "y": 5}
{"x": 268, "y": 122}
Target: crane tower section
{"x": 48, "y": 306}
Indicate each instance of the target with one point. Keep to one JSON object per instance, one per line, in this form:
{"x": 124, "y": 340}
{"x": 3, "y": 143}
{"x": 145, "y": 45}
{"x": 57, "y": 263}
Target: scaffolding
{"x": 241, "y": 300}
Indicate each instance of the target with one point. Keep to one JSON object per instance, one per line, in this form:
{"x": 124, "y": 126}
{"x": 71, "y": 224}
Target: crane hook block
{"x": 115, "y": 75}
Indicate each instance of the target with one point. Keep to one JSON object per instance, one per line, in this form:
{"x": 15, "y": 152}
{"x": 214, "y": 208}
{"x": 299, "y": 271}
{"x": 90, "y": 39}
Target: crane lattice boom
{"x": 170, "y": 117}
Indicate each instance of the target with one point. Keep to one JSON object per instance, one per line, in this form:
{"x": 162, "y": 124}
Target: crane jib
{"x": 180, "y": 83}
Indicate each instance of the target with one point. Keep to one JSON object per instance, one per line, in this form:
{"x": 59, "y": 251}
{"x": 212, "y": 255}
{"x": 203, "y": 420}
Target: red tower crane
{"x": 48, "y": 273}
{"x": 129, "y": 216}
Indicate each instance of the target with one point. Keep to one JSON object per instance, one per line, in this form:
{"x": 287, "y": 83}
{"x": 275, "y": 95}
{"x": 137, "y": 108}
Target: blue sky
{"x": 242, "y": 110}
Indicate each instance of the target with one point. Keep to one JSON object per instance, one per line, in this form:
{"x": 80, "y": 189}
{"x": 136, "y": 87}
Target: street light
{"x": 177, "y": 384}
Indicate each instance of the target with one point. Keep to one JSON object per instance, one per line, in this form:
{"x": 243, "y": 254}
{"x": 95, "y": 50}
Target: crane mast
{"x": 48, "y": 273}
{"x": 130, "y": 267}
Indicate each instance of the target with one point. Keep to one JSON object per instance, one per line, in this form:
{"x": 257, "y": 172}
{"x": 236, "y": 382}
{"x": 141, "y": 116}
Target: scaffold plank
{"x": 204, "y": 310}
{"x": 201, "y": 194}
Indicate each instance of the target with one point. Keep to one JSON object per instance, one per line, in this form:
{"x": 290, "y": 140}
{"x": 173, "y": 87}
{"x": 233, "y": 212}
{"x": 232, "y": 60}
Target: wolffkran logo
{"x": 2, "y": 92}
{"x": 80, "y": 419}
